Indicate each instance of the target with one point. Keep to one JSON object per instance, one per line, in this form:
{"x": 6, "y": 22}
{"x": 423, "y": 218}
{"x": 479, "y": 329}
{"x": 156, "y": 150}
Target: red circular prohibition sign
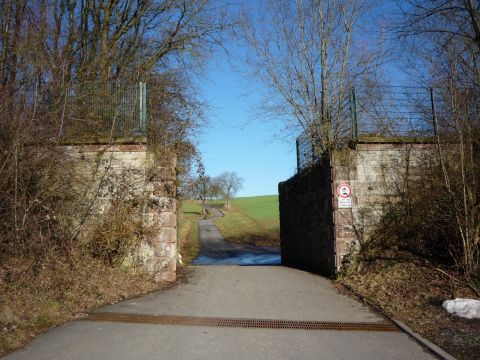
{"x": 344, "y": 191}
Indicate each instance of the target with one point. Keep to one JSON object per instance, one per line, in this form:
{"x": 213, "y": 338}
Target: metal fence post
{"x": 353, "y": 109}
{"x": 312, "y": 150}
{"x": 297, "y": 144}
{"x": 143, "y": 107}
{"x": 434, "y": 114}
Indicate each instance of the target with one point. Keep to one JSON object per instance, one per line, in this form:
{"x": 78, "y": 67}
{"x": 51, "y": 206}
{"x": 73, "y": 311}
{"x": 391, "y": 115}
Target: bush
{"x": 36, "y": 195}
{"x": 118, "y": 232}
{"x": 430, "y": 216}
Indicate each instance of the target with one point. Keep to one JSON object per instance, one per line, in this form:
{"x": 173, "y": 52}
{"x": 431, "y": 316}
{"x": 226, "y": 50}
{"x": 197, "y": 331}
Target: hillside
{"x": 253, "y": 220}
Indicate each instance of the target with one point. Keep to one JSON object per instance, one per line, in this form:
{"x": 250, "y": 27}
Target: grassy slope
{"x": 412, "y": 290}
{"x": 188, "y": 241}
{"x": 253, "y": 220}
{"x": 36, "y": 295}
{"x": 262, "y": 208}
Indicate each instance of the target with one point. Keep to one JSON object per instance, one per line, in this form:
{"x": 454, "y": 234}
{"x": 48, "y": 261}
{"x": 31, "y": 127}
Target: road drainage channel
{"x": 239, "y": 323}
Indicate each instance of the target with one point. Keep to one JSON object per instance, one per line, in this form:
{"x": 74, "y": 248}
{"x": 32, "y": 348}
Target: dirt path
{"x": 215, "y": 250}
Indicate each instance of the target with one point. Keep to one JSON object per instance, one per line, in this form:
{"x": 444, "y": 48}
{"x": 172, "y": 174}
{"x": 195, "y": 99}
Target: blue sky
{"x": 237, "y": 141}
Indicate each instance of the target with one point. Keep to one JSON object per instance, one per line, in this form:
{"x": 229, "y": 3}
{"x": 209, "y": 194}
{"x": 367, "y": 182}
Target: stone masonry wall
{"x": 106, "y": 171}
{"x": 306, "y": 221}
{"x": 315, "y": 233}
{"x": 376, "y": 174}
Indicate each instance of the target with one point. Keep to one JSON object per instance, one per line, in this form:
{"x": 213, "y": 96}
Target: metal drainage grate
{"x": 243, "y": 323}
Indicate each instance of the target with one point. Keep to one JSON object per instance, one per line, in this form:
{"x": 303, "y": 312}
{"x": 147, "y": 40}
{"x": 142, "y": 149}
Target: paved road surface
{"x": 270, "y": 292}
{"x": 215, "y": 250}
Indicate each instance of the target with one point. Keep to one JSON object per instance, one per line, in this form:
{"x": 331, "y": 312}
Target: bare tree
{"x": 436, "y": 30}
{"x": 105, "y": 39}
{"x": 201, "y": 183}
{"x": 305, "y": 54}
{"x": 214, "y": 189}
{"x": 175, "y": 115}
{"x": 444, "y": 38}
{"x": 48, "y": 45}
{"x": 230, "y": 183}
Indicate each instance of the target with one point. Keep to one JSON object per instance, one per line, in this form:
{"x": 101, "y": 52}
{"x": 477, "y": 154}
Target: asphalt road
{"x": 215, "y": 250}
{"x": 265, "y": 292}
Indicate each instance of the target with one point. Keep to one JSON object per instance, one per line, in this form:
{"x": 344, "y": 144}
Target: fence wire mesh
{"x": 306, "y": 153}
{"x": 393, "y": 112}
{"x": 104, "y": 110}
{"x": 375, "y": 114}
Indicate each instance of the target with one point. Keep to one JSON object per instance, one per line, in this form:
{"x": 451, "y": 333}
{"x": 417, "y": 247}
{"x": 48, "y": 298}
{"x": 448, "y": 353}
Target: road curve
{"x": 215, "y": 250}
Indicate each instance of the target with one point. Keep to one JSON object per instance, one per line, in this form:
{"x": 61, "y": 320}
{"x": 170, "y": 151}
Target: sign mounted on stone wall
{"x": 344, "y": 193}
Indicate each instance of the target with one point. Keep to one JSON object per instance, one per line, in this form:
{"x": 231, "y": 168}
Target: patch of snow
{"x": 467, "y": 308}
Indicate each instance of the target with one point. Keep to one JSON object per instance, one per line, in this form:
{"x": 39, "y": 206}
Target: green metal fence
{"x": 376, "y": 114}
{"x": 105, "y": 110}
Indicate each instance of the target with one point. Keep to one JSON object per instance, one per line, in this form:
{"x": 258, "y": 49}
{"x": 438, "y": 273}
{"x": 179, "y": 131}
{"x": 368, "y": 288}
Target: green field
{"x": 253, "y": 220}
{"x": 262, "y": 208}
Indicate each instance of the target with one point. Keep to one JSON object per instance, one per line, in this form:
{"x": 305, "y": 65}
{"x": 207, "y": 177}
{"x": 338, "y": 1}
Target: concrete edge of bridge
{"x": 426, "y": 343}
{"x": 439, "y": 352}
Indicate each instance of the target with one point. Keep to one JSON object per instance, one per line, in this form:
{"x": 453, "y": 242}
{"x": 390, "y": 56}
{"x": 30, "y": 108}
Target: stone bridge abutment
{"x": 329, "y": 208}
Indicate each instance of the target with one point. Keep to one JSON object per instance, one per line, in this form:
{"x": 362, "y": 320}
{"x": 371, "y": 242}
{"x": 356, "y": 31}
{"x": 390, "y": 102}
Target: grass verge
{"x": 412, "y": 290}
{"x": 36, "y": 295}
{"x": 251, "y": 220}
{"x": 188, "y": 240}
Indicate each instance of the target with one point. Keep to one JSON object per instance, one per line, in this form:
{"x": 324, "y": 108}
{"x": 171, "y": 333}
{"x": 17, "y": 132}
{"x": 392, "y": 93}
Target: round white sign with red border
{"x": 344, "y": 191}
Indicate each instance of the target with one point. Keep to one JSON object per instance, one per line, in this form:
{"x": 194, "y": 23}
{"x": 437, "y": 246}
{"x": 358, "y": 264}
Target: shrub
{"x": 117, "y": 233}
{"x": 433, "y": 216}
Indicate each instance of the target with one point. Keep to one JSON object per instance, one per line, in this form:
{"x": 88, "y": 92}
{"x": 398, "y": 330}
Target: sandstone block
{"x": 167, "y": 277}
{"x": 167, "y": 236}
